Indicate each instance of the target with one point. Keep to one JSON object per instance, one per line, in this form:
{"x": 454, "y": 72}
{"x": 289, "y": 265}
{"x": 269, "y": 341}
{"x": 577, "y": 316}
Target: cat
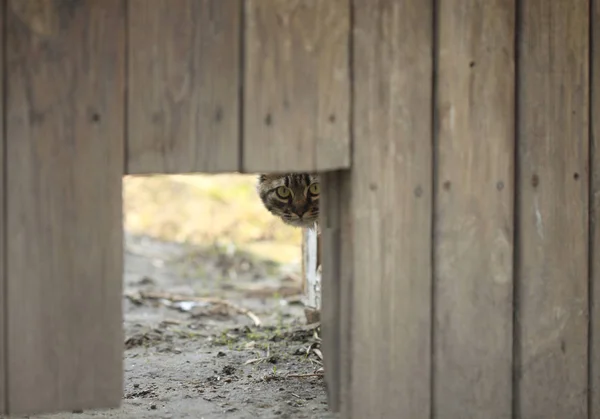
{"x": 292, "y": 197}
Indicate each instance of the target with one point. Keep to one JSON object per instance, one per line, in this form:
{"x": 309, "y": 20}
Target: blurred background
{"x": 221, "y": 210}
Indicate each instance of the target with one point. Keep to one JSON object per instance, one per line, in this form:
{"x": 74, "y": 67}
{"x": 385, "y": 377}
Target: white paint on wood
{"x": 312, "y": 272}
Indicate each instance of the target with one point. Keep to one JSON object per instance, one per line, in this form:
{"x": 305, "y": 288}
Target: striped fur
{"x": 292, "y": 197}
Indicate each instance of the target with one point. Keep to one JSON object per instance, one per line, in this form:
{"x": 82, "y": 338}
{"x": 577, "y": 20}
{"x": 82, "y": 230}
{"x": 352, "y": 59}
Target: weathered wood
{"x": 391, "y": 204}
{"x": 64, "y": 122}
{"x": 552, "y": 269}
{"x": 3, "y": 311}
{"x": 312, "y": 278}
{"x": 473, "y": 246}
{"x": 296, "y": 88}
{"x": 336, "y": 311}
{"x": 184, "y": 74}
{"x": 346, "y": 290}
{"x": 331, "y": 217}
{"x": 304, "y": 263}
{"x": 594, "y": 251}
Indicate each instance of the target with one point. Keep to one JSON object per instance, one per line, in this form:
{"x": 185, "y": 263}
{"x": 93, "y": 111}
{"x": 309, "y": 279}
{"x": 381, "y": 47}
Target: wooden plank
{"x": 3, "y": 312}
{"x": 65, "y": 128}
{"x": 594, "y": 251}
{"x": 391, "y": 204}
{"x": 336, "y": 311}
{"x": 296, "y": 85}
{"x": 304, "y": 271}
{"x": 183, "y": 107}
{"x": 552, "y": 269}
{"x": 473, "y": 245}
{"x": 330, "y": 318}
{"x": 331, "y": 285}
{"x": 312, "y": 292}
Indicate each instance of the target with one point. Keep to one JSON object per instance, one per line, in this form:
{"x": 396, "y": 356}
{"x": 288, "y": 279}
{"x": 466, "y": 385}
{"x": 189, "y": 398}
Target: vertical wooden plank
{"x": 65, "y": 129}
{"x": 183, "y": 107}
{"x": 391, "y": 203}
{"x": 473, "y": 281}
{"x": 312, "y": 278}
{"x": 336, "y": 307}
{"x": 296, "y": 88}
{"x": 304, "y": 270}
{"x": 594, "y": 251}
{"x": 552, "y": 273}
{"x": 336, "y": 311}
{"x": 3, "y": 311}
{"x": 331, "y": 217}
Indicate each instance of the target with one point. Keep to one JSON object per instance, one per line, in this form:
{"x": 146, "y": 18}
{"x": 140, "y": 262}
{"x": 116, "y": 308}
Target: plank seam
{"x": 126, "y": 14}
{"x": 591, "y": 206}
{"x": 241, "y": 84}
{"x": 351, "y": 80}
{"x": 434, "y": 188}
{"x": 4, "y": 270}
{"x": 345, "y": 390}
{"x": 516, "y": 354}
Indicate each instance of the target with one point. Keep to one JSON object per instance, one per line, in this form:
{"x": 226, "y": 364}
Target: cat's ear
{"x": 268, "y": 176}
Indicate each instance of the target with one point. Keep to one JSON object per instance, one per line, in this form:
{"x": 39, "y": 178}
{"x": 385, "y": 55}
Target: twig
{"x": 210, "y": 300}
{"x": 260, "y": 360}
{"x": 315, "y": 374}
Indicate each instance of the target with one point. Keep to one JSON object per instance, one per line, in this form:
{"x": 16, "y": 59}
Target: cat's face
{"x": 293, "y": 197}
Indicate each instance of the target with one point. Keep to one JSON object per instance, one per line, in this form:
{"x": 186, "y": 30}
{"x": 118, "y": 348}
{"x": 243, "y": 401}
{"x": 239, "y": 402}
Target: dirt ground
{"x": 193, "y": 357}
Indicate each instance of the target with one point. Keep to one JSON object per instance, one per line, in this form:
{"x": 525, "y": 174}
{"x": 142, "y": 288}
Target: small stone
{"x": 228, "y": 369}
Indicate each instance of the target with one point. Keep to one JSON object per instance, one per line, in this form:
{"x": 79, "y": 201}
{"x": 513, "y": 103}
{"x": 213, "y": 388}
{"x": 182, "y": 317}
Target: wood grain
{"x": 552, "y": 269}
{"x": 296, "y": 88}
{"x": 183, "y": 107}
{"x": 473, "y": 246}
{"x": 594, "y": 252}
{"x": 337, "y": 289}
{"x": 3, "y": 300}
{"x": 333, "y": 252}
{"x": 65, "y": 128}
{"x": 330, "y": 318}
{"x": 311, "y": 278}
{"x": 391, "y": 204}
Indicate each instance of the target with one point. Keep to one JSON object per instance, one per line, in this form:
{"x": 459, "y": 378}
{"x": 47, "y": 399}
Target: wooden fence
{"x": 94, "y": 89}
{"x": 461, "y": 186}
{"x": 461, "y": 271}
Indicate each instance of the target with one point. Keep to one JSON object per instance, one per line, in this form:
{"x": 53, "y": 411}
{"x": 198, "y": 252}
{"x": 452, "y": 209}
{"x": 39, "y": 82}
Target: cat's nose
{"x": 300, "y": 211}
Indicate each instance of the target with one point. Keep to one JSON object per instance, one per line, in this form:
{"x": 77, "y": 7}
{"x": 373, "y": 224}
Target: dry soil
{"x": 206, "y": 358}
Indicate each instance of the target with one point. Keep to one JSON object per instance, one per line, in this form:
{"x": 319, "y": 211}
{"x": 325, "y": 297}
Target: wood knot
{"x": 535, "y": 180}
{"x": 268, "y": 120}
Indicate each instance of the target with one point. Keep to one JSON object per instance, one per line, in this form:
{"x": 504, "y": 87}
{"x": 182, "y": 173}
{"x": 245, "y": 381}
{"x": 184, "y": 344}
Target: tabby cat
{"x": 293, "y": 197}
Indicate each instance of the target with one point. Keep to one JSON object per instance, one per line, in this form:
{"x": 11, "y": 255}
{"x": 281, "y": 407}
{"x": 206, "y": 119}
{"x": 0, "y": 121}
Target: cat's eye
{"x": 283, "y": 192}
{"x": 314, "y": 189}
